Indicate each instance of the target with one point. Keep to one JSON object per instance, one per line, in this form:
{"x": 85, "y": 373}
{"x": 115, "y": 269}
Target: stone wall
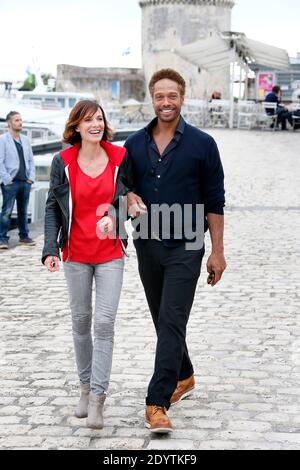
{"x": 168, "y": 24}
{"x": 128, "y": 83}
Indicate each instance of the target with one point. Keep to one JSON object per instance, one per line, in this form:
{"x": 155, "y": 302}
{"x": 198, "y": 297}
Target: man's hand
{"x": 135, "y": 205}
{"x": 216, "y": 264}
{"x": 29, "y": 181}
{"x": 52, "y": 263}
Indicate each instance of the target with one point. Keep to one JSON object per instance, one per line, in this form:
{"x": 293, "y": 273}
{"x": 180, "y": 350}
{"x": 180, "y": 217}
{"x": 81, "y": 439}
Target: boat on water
{"x": 50, "y": 109}
{"x": 44, "y": 116}
{"x": 37, "y": 133}
{"x": 40, "y": 188}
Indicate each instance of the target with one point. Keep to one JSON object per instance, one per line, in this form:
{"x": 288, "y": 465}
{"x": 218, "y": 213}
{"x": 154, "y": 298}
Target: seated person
{"x": 216, "y": 95}
{"x": 296, "y": 119}
{"x": 296, "y": 95}
{"x": 282, "y": 113}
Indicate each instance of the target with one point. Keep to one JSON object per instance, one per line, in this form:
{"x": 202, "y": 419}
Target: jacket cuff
{"x": 53, "y": 253}
{"x": 7, "y": 180}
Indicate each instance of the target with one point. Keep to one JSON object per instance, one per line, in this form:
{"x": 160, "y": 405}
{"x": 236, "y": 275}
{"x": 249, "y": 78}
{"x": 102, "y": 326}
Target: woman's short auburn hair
{"x": 82, "y": 109}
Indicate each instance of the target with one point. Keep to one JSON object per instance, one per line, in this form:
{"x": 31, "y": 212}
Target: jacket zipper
{"x": 70, "y": 212}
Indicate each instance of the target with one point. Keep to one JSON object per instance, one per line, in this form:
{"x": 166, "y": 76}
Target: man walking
{"x": 17, "y": 173}
{"x": 174, "y": 163}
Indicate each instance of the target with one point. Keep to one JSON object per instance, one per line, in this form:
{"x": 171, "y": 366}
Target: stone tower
{"x": 168, "y": 24}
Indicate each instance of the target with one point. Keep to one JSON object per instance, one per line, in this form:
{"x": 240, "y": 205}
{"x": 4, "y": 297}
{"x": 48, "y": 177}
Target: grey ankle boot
{"x": 95, "y": 411}
{"x": 82, "y": 407}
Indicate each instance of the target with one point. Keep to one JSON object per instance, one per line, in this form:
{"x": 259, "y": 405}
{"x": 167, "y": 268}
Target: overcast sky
{"x": 97, "y": 32}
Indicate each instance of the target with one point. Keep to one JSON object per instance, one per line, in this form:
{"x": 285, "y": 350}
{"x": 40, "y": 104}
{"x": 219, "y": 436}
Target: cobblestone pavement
{"x": 244, "y": 335}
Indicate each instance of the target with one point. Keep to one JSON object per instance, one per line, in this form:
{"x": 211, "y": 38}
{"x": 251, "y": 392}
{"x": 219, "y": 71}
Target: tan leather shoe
{"x": 157, "y": 420}
{"x": 184, "y": 389}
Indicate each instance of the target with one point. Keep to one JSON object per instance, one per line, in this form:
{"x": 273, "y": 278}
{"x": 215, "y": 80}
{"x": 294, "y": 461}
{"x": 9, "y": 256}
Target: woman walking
{"x": 86, "y": 179}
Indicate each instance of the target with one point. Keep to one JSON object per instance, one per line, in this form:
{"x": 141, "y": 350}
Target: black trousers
{"x": 169, "y": 277}
{"x": 283, "y": 116}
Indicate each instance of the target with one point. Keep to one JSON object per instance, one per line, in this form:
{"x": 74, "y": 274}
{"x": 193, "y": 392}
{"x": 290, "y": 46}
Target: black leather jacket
{"x": 57, "y": 214}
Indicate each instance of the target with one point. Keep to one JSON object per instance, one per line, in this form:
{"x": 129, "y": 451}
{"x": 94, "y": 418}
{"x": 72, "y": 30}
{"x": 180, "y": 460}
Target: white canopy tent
{"x": 227, "y": 49}
{"x": 211, "y": 53}
{"x": 264, "y": 54}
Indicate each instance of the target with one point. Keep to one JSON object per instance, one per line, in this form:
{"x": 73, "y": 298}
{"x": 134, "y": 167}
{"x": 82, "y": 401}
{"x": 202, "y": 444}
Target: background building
{"x": 289, "y": 80}
{"x": 166, "y": 25}
{"x": 107, "y": 84}
{"x": 169, "y": 24}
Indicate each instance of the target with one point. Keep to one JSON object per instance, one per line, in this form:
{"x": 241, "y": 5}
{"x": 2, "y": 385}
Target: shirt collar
{"x": 179, "y": 128}
{"x": 13, "y": 139}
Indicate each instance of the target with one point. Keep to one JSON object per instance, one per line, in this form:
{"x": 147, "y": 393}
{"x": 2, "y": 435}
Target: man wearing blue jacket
{"x": 178, "y": 166}
{"x": 282, "y": 112}
{"x": 17, "y": 174}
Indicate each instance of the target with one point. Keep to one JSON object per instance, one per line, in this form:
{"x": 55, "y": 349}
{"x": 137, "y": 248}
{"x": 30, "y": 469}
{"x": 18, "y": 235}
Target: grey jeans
{"x": 94, "y": 361}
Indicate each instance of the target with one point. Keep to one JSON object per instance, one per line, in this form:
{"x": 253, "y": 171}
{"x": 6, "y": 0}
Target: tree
{"x": 29, "y": 84}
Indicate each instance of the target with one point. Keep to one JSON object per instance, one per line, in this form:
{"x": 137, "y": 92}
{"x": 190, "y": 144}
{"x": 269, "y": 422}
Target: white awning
{"x": 266, "y": 55}
{"x": 217, "y": 52}
{"x": 209, "y": 53}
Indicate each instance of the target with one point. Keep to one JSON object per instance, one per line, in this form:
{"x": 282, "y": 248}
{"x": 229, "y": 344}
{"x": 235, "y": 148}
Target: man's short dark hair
{"x": 10, "y": 115}
{"x": 276, "y": 89}
{"x": 170, "y": 74}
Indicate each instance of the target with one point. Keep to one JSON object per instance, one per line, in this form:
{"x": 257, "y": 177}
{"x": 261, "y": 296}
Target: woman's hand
{"x": 135, "y": 205}
{"x": 52, "y": 263}
{"x": 105, "y": 228}
{"x": 105, "y": 225}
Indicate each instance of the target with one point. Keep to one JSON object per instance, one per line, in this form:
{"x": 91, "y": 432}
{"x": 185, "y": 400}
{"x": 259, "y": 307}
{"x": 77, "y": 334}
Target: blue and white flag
{"x": 126, "y": 51}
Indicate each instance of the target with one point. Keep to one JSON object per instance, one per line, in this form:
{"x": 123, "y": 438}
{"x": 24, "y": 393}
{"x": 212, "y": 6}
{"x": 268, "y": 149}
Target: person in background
{"x": 216, "y": 95}
{"x": 86, "y": 179}
{"x": 282, "y": 112}
{"x": 17, "y": 174}
{"x": 296, "y": 119}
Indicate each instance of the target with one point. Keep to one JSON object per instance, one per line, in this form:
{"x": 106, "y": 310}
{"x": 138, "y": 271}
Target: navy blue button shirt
{"x": 188, "y": 172}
